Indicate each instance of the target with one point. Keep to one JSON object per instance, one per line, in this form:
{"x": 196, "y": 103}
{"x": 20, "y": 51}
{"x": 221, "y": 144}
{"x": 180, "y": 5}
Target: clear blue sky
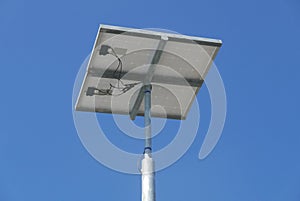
{"x": 42, "y": 45}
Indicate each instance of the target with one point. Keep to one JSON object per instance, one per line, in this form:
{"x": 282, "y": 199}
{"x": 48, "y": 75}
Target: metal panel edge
{"x": 87, "y": 67}
{"x": 157, "y": 33}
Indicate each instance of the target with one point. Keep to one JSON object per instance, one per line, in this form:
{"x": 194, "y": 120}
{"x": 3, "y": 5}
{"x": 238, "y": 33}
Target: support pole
{"x": 147, "y": 118}
{"x": 148, "y": 183}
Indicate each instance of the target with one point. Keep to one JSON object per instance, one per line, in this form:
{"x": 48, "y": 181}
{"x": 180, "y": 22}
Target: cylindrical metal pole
{"x": 148, "y": 182}
{"x": 147, "y": 118}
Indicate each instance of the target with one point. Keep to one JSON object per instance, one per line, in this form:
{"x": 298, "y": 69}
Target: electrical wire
{"x": 117, "y": 74}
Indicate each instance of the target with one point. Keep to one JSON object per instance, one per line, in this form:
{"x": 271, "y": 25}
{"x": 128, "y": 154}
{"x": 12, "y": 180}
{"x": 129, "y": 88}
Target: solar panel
{"x": 123, "y": 58}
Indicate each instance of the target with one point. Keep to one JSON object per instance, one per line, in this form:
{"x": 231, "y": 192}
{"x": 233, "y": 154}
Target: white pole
{"x": 148, "y": 171}
{"x": 148, "y": 186}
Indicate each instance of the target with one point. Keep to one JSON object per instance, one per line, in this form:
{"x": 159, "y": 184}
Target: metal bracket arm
{"x": 147, "y": 81}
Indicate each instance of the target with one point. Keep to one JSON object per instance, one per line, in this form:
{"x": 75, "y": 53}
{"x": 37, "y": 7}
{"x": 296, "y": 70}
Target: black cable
{"x": 117, "y": 74}
{"x": 119, "y": 67}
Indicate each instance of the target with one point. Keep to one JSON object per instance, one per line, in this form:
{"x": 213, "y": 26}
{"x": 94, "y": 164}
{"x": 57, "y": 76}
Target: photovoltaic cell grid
{"x": 177, "y": 78}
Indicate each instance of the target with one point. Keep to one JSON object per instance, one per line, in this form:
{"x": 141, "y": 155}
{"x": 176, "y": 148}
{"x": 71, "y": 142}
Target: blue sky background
{"x": 42, "y": 45}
